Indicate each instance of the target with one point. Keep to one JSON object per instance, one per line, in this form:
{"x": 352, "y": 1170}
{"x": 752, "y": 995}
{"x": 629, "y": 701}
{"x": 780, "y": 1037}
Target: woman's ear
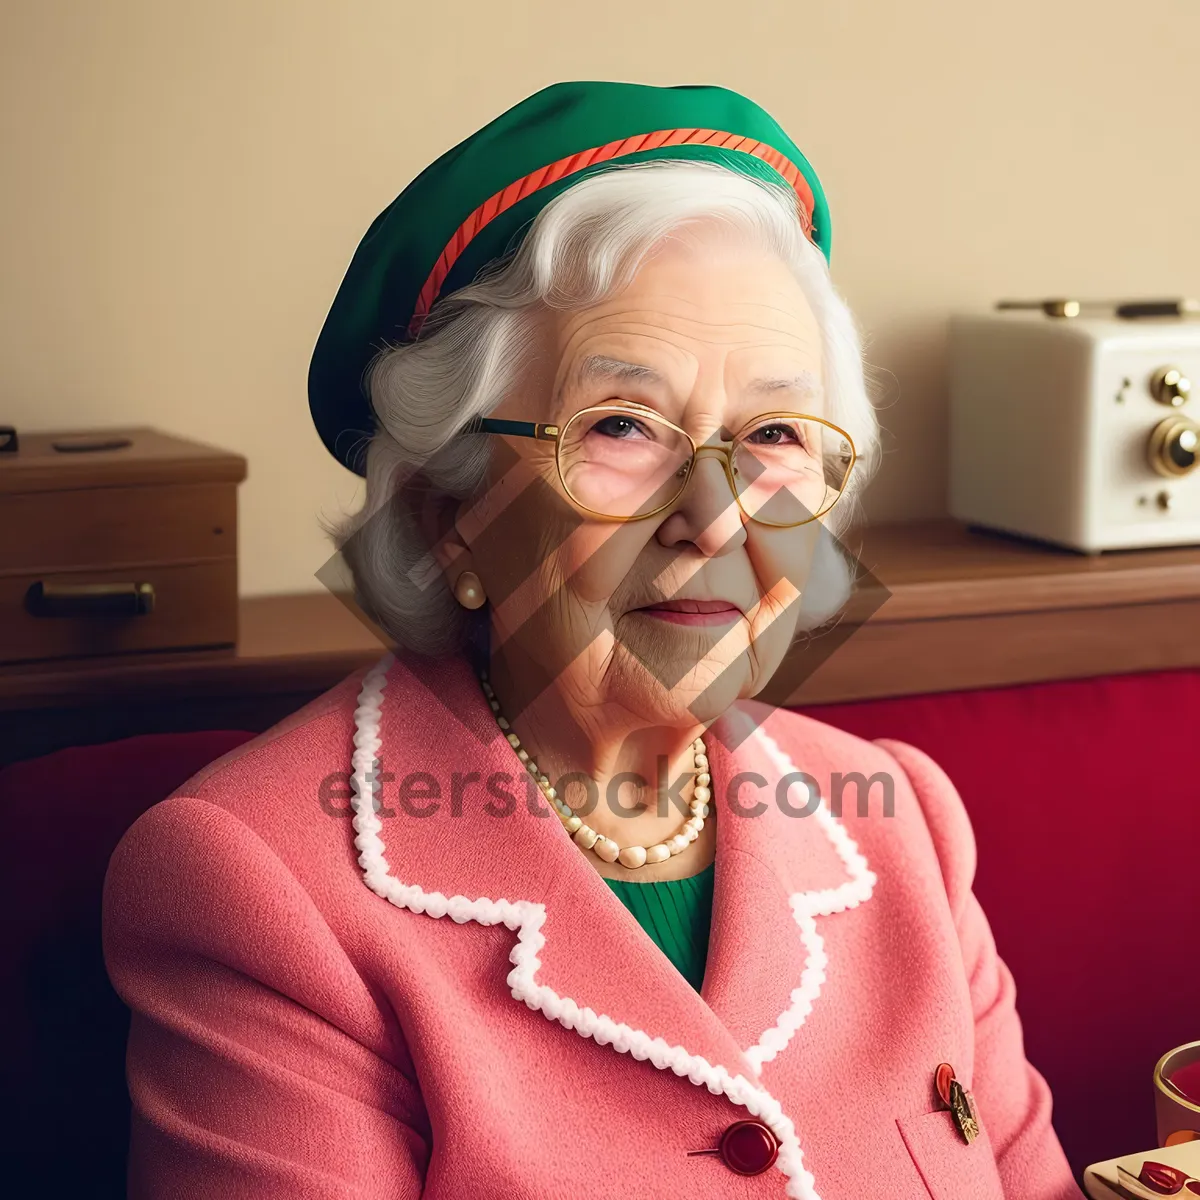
{"x": 438, "y": 518}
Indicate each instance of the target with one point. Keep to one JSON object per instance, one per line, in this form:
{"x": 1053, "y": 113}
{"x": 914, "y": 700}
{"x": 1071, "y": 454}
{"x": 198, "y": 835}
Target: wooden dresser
{"x": 117, "y": 541}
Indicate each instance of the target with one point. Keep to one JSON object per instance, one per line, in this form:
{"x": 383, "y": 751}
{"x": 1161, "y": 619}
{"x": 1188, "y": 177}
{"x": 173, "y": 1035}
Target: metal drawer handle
{"x": 90, "y": 599}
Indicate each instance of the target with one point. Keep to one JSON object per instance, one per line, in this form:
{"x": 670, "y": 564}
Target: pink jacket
{"x": 486, "y": 1020}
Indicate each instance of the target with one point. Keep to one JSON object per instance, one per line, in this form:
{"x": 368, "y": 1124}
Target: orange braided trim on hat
{"x": 543, "y": 176}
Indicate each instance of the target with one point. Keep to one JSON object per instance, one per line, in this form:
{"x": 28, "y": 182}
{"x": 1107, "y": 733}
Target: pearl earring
{"x": 468, "y": 590}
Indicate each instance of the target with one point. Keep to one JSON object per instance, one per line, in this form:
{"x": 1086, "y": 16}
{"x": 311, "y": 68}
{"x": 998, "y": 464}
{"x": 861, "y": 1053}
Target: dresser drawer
{"x": 108, "y": 527}
{"x": 49, "y": 615}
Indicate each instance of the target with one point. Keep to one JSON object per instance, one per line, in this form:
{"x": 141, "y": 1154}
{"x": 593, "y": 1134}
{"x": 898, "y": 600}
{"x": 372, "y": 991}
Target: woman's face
{"x": 711, "y": 334}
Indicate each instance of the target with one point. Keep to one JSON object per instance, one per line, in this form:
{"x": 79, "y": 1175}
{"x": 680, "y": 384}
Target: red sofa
{"x": 63, "y": 1068}
{"x": 1088, "y": 878}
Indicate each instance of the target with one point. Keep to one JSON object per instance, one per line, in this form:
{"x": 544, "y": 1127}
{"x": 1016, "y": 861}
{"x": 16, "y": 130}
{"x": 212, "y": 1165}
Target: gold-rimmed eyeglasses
{"x": 623, "y": 463}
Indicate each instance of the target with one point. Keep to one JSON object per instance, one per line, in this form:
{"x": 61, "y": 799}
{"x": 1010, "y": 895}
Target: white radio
{"x": 1076, "y": 430}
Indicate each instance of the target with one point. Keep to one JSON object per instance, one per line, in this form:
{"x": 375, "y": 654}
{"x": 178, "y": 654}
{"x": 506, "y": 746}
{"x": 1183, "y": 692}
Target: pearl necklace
{"x": 585, "y": 836}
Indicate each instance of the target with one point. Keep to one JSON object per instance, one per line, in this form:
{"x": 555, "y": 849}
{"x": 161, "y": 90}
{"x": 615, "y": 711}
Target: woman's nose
{"x": 707, "y": 513}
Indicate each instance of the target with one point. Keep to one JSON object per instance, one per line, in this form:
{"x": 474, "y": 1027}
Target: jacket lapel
{"x": 782, "y": 862}
{"x": 591, "y": 947}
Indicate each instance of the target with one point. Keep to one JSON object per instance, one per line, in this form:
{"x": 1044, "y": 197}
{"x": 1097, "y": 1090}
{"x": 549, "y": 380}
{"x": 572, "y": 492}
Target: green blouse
{"x": 677, "y": 914}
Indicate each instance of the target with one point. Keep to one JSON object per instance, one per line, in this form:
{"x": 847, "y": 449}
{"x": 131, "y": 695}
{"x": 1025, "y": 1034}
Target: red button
{"x": 748, "y": 1147}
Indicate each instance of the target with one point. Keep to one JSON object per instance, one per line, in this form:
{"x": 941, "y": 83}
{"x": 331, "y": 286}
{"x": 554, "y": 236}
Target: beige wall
{"x": 184, "y": 184}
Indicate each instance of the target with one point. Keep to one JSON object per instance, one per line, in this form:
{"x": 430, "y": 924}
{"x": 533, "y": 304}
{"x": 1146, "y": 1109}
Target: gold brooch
{"x": 960, "y": 1102}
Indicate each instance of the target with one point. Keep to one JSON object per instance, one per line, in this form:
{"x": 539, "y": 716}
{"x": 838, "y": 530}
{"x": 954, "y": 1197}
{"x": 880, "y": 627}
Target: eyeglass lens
{"x": 619, "y": 463}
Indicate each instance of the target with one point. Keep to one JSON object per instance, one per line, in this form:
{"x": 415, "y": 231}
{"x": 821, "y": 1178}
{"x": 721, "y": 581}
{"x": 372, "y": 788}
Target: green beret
{"x": 474, "y": 204}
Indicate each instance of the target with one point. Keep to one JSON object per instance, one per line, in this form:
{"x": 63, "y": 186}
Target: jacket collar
{"x": 581, "y": 959}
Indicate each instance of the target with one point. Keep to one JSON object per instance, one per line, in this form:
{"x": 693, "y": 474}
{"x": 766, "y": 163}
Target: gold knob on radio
{"x": 1170, "y": 386}
{"x": 1175, "y": 447}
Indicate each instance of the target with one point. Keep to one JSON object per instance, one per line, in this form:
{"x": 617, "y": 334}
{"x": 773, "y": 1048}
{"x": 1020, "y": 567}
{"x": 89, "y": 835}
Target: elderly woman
{"x": 600, "y": 924}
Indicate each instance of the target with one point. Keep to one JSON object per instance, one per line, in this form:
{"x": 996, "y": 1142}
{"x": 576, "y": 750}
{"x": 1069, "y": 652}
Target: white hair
{"x": 585, "y": 244}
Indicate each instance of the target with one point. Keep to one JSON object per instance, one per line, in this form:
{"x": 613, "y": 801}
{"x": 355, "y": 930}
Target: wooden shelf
{"x": 960, "y": 609}
{"x": 290, "y": 649}
{"x": 939, "y": 569}
{"x": 285, "y": 644}
{"x": 956, "y": 609}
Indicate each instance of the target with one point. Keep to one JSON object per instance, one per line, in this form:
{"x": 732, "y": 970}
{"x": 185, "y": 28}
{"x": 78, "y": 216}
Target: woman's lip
{"x": 693, "y": 612}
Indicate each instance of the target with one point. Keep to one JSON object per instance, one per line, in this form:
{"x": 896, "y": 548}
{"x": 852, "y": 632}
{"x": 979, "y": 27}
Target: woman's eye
{"x": 618, "y": 426}
{"x": 776, "y": 435}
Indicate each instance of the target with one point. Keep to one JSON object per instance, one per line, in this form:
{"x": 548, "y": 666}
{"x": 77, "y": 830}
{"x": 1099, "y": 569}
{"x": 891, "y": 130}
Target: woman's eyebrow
{"x": 803, "y": 384}
{"x": 601, "y": 367}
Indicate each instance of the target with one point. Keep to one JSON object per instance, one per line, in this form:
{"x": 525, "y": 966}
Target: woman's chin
{"x": 695, "y": 672}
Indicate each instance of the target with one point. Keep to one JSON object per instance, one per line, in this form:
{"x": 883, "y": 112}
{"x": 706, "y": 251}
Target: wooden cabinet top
{"x": 943, "y": 569}
{"x": 47, "y": 462}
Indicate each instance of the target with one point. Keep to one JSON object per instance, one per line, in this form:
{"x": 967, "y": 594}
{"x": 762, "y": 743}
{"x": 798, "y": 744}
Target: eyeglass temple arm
{"x": 529, "y": 429}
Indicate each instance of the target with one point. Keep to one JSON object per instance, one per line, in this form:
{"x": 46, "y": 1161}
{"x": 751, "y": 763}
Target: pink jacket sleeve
{"x": 1012, "y": 1098}
{"x": 258, "y": 1065}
